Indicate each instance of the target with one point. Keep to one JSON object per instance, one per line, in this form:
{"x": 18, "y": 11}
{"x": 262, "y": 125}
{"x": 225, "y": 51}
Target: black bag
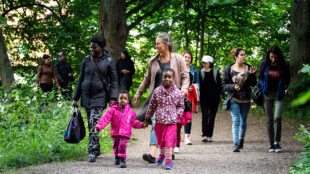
{"x": 226, "y": 103}
{"x": 257, "y": 95}
{"x": 75, "y": 130}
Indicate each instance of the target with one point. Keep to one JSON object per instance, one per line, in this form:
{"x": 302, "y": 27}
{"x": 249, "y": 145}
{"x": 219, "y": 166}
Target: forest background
{"x": 30, "y": 28}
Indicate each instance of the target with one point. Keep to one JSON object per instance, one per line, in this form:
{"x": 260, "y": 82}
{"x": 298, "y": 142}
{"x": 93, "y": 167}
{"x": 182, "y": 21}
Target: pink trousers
{"x": 165, "y": 134}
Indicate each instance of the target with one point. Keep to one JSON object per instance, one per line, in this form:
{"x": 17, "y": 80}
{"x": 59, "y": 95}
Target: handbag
{"x": 75, "y": 129}
{"x": 226, "y": 103}
{"x": 105, "y": 86}
{"x": 257, "y": 95}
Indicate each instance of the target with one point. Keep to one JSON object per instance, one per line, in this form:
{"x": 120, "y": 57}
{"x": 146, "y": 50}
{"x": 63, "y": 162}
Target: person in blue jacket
{"x": 274, "y": 78}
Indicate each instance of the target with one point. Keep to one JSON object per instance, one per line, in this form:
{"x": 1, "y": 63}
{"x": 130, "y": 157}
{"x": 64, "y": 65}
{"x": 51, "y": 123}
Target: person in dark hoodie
{"x": 64, "y": 75}
{"x": 125, "y": 70}
{"x": 96, "y": 86}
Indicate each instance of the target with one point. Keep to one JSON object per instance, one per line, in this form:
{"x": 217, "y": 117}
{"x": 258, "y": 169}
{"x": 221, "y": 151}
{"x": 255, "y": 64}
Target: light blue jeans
{"x": 239, "y": 114}
{"x": 153, "y": 136}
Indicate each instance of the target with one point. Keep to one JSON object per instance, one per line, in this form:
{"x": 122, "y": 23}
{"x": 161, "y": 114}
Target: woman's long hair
{"x": 281, "y": 62}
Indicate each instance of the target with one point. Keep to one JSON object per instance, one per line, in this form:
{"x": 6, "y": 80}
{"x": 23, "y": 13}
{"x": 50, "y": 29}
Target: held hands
{"x": 135, "y": 100}
{"x": 96, "y": 130}
{"x": 184, "y": 94}
{"x": 145, "y": 123}
{"x": 252, "y": 69}
{"x": 188, "y": 121}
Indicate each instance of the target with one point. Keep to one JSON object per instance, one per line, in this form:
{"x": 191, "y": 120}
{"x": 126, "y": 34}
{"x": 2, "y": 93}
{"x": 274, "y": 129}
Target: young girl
{"x": 183, "y": 120}
{"x": 122, "y": 118}
{"x": 168, "y": 102}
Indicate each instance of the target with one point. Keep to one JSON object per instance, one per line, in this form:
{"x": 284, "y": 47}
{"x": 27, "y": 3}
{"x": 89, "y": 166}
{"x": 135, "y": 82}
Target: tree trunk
{"x": 202, "y": 31}
{"x": 6, "y": 72}
{"x": 113, "y": 27}
{"x": 299, "y": 41}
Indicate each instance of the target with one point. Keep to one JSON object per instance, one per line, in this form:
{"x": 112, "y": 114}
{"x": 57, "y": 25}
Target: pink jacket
{"x": 185, "y": 116}
{"x": 120, "y": 123}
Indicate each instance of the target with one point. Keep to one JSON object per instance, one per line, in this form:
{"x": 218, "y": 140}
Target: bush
{"x": 32, "y": 128}
{"x": 303, "y": 163}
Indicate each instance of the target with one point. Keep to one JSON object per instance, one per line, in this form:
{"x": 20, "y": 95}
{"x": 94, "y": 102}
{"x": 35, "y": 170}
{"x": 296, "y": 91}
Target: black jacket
{"x": 62, "y": 69}
{"x": 125, "y": 64}
{"x": 229, "y": 86}
{"x": 90, "y": 86}
{"x": 204, "y": 98}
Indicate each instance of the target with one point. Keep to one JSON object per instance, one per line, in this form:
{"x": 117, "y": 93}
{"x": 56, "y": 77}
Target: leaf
{"x": 2, "y": 21}
{"x": 302, "y": 99}
{"x": 305, "y": 69}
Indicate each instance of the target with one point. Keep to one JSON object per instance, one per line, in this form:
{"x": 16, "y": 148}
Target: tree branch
{"x": 160, "y": 3}
{"x": 30, "y": 5}
{"x": 136, "y": 9}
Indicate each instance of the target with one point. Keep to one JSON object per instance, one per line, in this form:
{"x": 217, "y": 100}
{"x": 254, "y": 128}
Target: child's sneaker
{"x": 116, "y": 160}
{"x": 122, "y": 163}
{"x": 169, "y": 165}
{"x": 187, "y": 141}
{"x": 176, "y": 149}
{"x": 160, "y": 160}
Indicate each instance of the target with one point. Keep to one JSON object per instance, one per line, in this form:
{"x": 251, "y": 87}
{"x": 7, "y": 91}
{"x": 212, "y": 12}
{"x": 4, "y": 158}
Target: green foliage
{"x": 302, "y": 166}
{"x": 304, "y": 97}
{"x": 32, "y": 127}
{"x": 2, "y": 21}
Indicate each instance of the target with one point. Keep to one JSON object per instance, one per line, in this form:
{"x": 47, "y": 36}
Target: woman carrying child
{"x": 168, "y": 104}
{"x": 122, "y": 118}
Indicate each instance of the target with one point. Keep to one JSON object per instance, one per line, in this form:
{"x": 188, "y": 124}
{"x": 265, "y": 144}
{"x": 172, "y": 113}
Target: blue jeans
{"x": 239, "y": 114}
{"x": 153, "y": 136}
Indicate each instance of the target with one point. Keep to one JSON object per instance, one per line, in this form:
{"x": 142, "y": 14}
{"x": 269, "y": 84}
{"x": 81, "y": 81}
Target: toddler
{"x": 122, "y": 118}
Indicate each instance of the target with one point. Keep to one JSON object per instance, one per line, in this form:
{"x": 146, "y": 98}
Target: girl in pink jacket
{"x": 122, "y": 118}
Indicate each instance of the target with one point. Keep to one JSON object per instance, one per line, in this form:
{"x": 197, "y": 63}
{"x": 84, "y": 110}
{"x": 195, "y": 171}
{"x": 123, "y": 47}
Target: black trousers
{"x": 46, "y": 87}
{"x": 208, "y": 119}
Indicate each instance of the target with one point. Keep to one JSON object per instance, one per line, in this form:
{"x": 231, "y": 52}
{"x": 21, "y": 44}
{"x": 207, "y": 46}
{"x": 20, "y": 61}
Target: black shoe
{"x": 122, "y": 163}
{"x": 91, "y": 158}
{"x": 277, "y": 148}
{"x": 241, "y": 143}
{"x": 271, "y": 148}
{"x": 173, "y": 157}
{"x": 149, "y": 158}
{"x": 116, "y": 160}
{"x": 236, "y": 148}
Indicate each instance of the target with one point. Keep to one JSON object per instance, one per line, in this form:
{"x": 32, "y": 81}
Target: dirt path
{"x": 216, "y": 157}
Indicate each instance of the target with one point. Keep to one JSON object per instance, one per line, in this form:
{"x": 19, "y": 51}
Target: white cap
{"x": 207, "y": 59}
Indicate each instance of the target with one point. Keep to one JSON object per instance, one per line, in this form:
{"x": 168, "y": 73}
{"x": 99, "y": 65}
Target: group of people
{"x": 61, "y": 73}
{"x": 172, "y": 82}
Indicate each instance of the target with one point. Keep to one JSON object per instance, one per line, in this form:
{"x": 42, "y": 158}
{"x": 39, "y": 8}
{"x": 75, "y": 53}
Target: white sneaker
{"x": 209, "y": 139}
{"x": 204, "y": 139}
{"x": 187, "y": 141}
{"x": 176, "y": 150}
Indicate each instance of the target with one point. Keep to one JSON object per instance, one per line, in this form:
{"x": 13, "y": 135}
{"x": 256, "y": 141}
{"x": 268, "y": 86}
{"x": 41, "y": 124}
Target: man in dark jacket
{"x": 64, "y": 75}
{"x": 96, "y": 85}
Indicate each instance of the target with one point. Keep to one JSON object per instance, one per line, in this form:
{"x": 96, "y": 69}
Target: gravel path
{"x": 215, "y": 157}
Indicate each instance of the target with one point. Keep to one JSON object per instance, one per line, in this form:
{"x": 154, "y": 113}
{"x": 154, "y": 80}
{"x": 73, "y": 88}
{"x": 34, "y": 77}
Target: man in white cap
{"x": 210, "y": 92}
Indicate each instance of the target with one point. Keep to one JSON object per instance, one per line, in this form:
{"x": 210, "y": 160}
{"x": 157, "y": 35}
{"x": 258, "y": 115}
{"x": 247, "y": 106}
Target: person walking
{"x": 153, "y": 78}
{"x": 125, "y": 70}
{"x": 237, "y": 81}
{"x": 46, "y": 75}
{"x": 122, "y": 119}
{"x": 194, "y": 80}
{"x": 210, "y": 95}
{"x": 64, "y": 75}
{"x": 97, "y": 85}
{"x": 274, "y": 79}
{"x": 167, "y": 103}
